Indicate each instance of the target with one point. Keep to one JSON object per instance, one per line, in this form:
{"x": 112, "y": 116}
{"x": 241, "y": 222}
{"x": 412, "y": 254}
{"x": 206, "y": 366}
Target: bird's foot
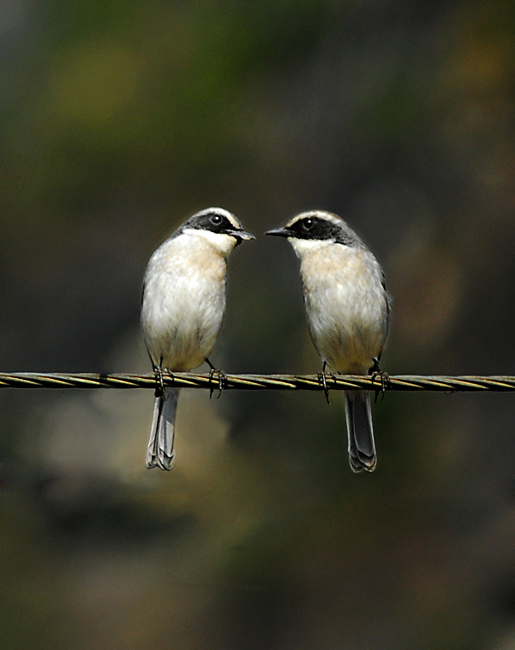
{"x": 160, "y": 384}
{"x": 322, "y": 378}
{"x": 375, "y": 372}
{"x": 220, "y": 377}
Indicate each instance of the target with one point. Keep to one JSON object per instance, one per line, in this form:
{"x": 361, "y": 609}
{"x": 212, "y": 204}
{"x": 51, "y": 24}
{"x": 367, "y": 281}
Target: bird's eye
{"x": 216, "y": 219}
{"x": 307, "y": 224}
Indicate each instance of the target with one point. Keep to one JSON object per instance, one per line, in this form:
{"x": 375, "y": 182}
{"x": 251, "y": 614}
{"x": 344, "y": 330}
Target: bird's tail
{"x": 362, "y": 450}
{"x": 160, "y": 452}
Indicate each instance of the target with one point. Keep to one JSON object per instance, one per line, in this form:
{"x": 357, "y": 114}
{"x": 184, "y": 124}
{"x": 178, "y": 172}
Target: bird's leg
{"x": 376, "y": 372}
{"x": 322, "y": 378}
{"x": 221, "y": 378}
{"x": 158, "y": 372}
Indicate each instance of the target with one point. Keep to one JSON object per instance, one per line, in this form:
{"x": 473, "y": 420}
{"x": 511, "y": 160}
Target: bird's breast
{"x": 183, "y": 304}
{"x": 346, "y": 306}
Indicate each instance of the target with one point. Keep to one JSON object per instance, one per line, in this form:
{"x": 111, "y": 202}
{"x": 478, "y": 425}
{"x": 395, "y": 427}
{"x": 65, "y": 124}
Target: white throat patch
{"x": 303, "y": 246}
{"x": 222, "y": 242}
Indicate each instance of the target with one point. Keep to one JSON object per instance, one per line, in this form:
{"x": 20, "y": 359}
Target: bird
{"x": 348, "y": 312}
{"x": 182, "y": 308}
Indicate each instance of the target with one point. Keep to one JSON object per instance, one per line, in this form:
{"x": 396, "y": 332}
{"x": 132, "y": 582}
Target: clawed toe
{"x": 322, "y": 378}
{"x": 376, "y": 373}
{"x": 160, "y": 384}
{"x": 221, "y": 377}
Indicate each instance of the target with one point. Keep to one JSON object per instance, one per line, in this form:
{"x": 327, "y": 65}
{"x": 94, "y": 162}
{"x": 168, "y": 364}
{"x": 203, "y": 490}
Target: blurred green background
{"x": 118, "y": 121}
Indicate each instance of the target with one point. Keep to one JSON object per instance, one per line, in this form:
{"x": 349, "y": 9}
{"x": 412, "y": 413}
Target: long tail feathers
{"x": 161, "y": 452}
{"x": 362, "y": 450}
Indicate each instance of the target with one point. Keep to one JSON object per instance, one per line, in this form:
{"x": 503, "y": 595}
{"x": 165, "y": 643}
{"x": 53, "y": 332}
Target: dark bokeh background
{"x": 119, "y": 119}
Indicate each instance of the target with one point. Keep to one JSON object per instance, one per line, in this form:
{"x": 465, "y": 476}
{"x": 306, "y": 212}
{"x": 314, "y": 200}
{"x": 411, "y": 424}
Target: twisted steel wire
{"x": 214, "y": 381}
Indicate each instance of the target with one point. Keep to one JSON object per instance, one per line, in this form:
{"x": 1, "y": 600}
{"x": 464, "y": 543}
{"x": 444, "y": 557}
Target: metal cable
{"x": 258, "y": 382}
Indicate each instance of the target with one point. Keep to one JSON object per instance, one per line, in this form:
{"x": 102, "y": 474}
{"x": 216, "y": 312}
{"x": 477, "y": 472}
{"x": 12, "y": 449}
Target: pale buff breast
{"x": 184, "y": 301}
{"x": 346, "y": 306}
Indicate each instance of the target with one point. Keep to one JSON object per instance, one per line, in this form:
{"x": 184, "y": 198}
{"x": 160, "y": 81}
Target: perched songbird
{"x": 183, "y": 304}
{"x": 348, "y": 312}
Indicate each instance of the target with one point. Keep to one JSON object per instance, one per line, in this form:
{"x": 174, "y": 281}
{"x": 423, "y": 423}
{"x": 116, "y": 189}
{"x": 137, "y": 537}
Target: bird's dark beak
{"x": 279, "y": 232}
{"x": 241, "y": 235}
